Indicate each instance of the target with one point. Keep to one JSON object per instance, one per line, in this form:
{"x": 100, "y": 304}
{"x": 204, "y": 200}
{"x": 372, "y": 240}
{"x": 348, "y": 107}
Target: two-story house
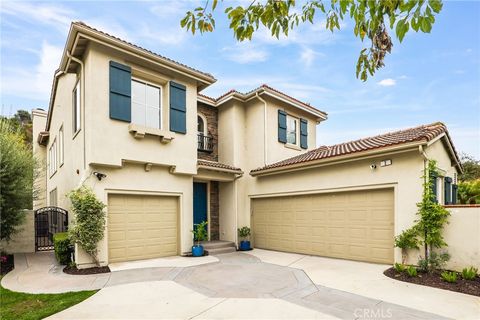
{"x": 134, "y": 127}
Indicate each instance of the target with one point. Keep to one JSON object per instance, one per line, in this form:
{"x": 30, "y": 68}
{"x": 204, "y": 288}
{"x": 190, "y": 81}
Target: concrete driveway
{"x": 263, "y": 285}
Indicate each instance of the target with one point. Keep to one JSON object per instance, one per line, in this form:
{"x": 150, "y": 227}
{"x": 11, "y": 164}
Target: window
{"x": 146, "y": 104}
{"x": 60, "y": 146}
{"x": 200, "y": 125}
{"x": 53, "y": 198}
{"x": 76, "y": 108}
{"x": 291, "y": 130}
{"x": 52, "y": 158}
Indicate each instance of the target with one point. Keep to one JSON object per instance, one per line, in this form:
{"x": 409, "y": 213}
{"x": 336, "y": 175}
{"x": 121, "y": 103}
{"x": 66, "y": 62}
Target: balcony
{"x": 204, "y": 143}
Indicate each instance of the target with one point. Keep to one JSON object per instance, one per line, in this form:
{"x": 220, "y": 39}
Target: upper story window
{"x": 292, "y": 128}
{"x": 204, "y": 140}
{"x": 146, "y": 104}
{"x": 61, "y": 155}
{"x": 76, "y": 108}
{"x": 52, "y": 158}
{"x": 201, "y": 125}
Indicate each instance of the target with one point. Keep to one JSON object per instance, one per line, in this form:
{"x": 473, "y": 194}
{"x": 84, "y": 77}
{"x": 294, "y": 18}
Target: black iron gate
{"x": 48, "y": 221}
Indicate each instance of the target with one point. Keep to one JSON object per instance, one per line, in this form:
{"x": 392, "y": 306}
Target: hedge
{"x": 62, "y": 246}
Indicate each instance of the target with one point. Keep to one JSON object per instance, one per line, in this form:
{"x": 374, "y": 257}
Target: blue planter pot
{"x": 244, "y": 245}
{"x": 197, "y": 251}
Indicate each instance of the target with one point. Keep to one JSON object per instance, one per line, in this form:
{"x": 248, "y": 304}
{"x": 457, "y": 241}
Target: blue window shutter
{"x": 282, "y": 126}
{"x": 178, "y": 108}
{"x": 454, "y": 193}
{"x": 433, "y": 181}
{"x": 303, "y": 133}
{"x": 120, "y": 92}
{"x": 448, "y": 190}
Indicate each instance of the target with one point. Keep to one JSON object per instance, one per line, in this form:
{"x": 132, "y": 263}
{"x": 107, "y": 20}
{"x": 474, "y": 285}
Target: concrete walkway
{"x": 260, "y": 284}
{"x": 368, "y": 280}
{"x": 40, "y": 273}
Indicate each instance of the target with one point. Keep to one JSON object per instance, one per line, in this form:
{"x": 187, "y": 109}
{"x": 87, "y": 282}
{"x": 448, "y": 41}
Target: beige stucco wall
{"x": 116, "y": 142}
{"x": 106, "y": 145}
{"x": 39, "y": 119}
{"x": 462, "y": 234}
{"x": 133, "y": 179}
{"x": 403, "y": 176}
{"x": 69, "y": 174}
{"x": 24, "y": 240}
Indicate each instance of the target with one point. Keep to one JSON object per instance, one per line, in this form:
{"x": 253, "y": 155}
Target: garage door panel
{"x": 352, "y": 225}
{"x": 141, "y": 227}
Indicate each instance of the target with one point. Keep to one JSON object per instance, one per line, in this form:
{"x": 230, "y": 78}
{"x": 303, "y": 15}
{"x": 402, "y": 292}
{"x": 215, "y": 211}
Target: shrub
{"x": 89, "y": 225}
{"x": 16, "y": 179}
{"x": 399, "y": 267}
{"x": 408, "y": 239}
{"x": 449, "y": 276}
{"x": 200, "y": 232}
{"x": 469, "y": 273}
{"x": 244, "y": 232}
{"x": 62, "y": 245}
{"x": 435, "y": 261}
{"x": 411, "y": 271}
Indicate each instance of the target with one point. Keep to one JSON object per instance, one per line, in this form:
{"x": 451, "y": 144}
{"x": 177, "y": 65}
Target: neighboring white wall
{"x": 462, "y": 235}
{"x": 24, "y": 240}
{"x": 39, "y": 119}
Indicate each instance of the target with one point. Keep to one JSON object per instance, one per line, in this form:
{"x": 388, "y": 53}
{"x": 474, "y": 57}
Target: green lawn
{"x": 19, "y": 306}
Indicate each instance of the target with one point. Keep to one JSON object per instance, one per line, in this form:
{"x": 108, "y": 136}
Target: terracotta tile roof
{"x": 84, "y": 25}
{"x": 260, "y": 88}
{"x": 217, "y": 165}
{"x": 421, "y": 133}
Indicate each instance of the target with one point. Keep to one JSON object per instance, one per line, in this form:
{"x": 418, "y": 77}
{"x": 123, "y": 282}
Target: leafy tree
{"x": 22, "y": 121}
{"x": 469, "y": 192}
{"x": 471, "y": 168}
{"x": 17, "y": 167}
{"x": 89, "y": 226}
{"x": 372, "y": 19}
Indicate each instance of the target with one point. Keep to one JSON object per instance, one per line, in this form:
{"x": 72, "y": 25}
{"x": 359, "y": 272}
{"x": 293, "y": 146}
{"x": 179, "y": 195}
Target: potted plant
{"x": 244, "y": 234}
{"x": 199, "y": 234}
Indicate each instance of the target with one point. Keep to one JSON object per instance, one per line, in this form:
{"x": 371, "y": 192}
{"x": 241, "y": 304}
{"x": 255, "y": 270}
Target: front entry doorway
{"x": 200, "y": 201}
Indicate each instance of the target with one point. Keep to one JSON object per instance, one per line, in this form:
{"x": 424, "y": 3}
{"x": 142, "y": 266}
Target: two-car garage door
{"x": 141, "y": 227}
{"x": 351, "y": 225}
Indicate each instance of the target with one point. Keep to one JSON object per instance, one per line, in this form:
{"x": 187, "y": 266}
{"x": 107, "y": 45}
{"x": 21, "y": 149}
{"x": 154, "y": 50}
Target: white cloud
{"x": 307, "y": 56}
{"x": 403, "y": 77}
{"x": 389, "y": 82}
{"x": 34, "y": 84}
{"x": 304, "y": 34}
{"x": 245, "y": 52}
{"x": 56, "y": 16}
{"x": 174, "y": 35}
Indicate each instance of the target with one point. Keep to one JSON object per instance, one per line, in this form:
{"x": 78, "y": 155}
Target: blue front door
{"x": 199, "y": 202}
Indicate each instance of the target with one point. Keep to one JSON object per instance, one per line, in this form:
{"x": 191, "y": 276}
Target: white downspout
{"x": 264, "y": 128}
{"x": 82, "y": 79}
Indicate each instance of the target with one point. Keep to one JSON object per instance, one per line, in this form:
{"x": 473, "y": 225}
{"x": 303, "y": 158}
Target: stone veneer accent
{"x": 211, "y": 113}
{"x": 214, "y": 211}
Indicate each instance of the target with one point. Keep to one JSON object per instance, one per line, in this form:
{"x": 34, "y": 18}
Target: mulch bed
{"x": 434, "y": 279}
{"x": 94, "y": 270}
{"x": 8, "y": 265}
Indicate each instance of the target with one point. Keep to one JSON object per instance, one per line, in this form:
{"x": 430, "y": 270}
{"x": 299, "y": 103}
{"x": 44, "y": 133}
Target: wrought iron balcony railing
{"x": 204, "y": 143}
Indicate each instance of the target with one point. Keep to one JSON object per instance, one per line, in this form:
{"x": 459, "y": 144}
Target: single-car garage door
{"x": 351, "y": 225}
{"x": 141, "y": 227}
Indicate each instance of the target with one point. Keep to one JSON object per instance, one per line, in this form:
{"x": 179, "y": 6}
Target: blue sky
{"x": 427, "y": 78}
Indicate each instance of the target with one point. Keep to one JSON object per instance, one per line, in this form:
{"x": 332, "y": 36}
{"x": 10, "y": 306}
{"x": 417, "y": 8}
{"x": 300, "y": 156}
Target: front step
{"x": 218, "y": 247}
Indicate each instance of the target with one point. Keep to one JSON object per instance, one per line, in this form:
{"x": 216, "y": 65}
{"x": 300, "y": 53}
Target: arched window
{"x": 201, "y": 125}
